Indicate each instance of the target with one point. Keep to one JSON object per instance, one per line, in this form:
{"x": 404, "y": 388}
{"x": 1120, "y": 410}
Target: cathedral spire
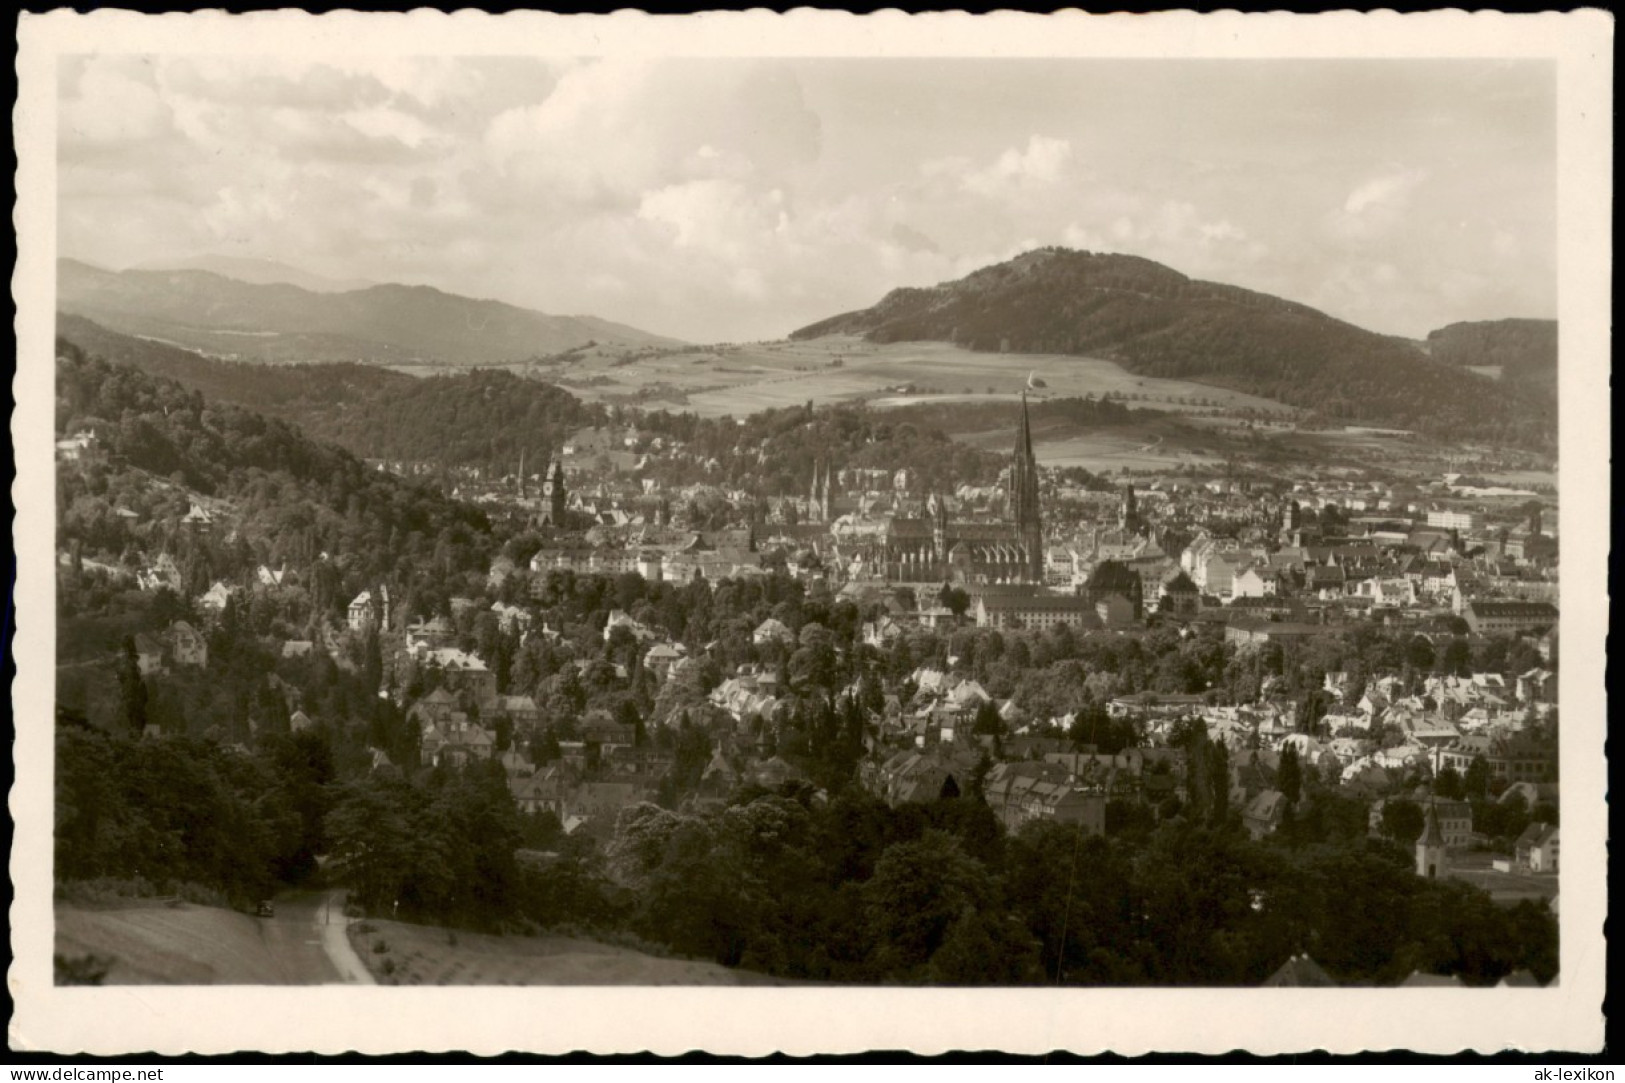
{"x": 1024, "y": 497}
{"x": 1024, "y": 433}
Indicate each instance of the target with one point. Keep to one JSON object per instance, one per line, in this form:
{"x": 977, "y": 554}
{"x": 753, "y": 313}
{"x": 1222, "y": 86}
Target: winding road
{"x": 307, "y": 937}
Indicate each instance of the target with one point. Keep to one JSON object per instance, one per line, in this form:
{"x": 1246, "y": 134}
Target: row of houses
{"x": 1510, "y": 757}
{"x": 1021, "y": 793}
{"x": 1056, "y": 784}
{"x": 680, "y": 566}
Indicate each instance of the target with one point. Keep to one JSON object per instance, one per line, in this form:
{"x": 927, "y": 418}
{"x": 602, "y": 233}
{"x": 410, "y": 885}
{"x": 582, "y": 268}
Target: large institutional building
{"x": 935, "y": 548}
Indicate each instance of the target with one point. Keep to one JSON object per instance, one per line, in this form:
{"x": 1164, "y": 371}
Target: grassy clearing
{"x": 746, "y": 378}
{"x": 1503, "y": 887}
{"x": 153, "y": 942}
{"x": 1522, "y": 478}
{"x": 1156, "y": 445}
{"x": 398, "y": 953}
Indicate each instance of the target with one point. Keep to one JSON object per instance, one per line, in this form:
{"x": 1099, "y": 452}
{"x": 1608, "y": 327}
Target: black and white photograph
{"x": 758, "y": 533}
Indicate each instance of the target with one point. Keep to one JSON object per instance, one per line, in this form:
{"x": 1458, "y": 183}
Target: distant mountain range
{"x": 1158, "y": 322}
{"x": 489, "y": 419}
{"x": 257, "y": 271}
{"x": 1524, "y": 350}
{"x": 276, "y": 321}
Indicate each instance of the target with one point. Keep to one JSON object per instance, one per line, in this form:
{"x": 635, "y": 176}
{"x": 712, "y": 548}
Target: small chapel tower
{"x": 553, "y": 493}
{"x": 1430, "y": 852}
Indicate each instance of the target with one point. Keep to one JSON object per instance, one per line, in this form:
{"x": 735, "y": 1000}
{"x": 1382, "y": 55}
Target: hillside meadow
{"x": 716, "y": 381}
{"x": 153, "y": 942}
{"x": 399, "y": 953}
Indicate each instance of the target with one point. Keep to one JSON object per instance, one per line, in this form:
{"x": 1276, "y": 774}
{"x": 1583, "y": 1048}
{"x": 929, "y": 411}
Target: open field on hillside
{"x": 154, "y": 943}
{"x": 743, "y": 379}
{"x": 1105, "y": 451}
{"x": 428, "y": 955}
{"x": 738, "y": 380}
{"x": 1503, "y": 887}
{"x": 1170, "y": 442}
{"x": 1528, "y": 479}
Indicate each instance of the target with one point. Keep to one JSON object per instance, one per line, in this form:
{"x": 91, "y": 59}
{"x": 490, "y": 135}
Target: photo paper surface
{"x": 810, "y": 533}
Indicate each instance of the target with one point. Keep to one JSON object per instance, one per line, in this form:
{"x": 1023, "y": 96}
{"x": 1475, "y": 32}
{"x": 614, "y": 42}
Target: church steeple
{"x": 553, "y": 492}
{"x": 1024, "y": 434}
{"x": 1128, "y": 515}
{"x": 1430, "y": 848}
{"x": 818, "y": 495}
{"x": 936, "y": 510}
{"x": 1024, "y": 496}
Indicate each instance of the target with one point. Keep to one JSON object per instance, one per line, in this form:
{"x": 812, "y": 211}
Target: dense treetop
{"x": 291, "y": 498}
{"x": 1525, "y": 350}
{"x": 786, "y": 882}
{"x": 485, "y": 418}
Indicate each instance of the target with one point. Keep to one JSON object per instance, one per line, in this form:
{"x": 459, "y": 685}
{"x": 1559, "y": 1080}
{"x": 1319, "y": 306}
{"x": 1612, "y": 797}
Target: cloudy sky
{"x": 731, "y": 200}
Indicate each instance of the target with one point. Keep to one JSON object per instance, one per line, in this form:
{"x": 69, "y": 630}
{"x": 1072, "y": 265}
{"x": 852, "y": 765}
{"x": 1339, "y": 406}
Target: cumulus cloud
{"x": 732, "y": 199}
{"x": 1385, "y": 190}
{"x": 430, "y": 85}
{"x": 386, "y": 123}
{"x": 259, "y": 83}
{"x": 1373, "y": 293}
{"x": 613, "y": 130}
{"x": 1175, "y": 232}
{"x": 1043, "y": 161}
{"x": 244, "y": 212}
{"x": 719, "y": 217}
{"x": 113, "y": 104}
{"x": 1377, "y": 205}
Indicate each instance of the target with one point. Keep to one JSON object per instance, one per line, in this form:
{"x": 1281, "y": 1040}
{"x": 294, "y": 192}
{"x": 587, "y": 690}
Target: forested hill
{"x": 383, "y": 324}
{"x": 1524, "y": 350}
{"x": 287, "y": 498}
{"x": 485, "y": 418}
{"x": 1158, "y": 322}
